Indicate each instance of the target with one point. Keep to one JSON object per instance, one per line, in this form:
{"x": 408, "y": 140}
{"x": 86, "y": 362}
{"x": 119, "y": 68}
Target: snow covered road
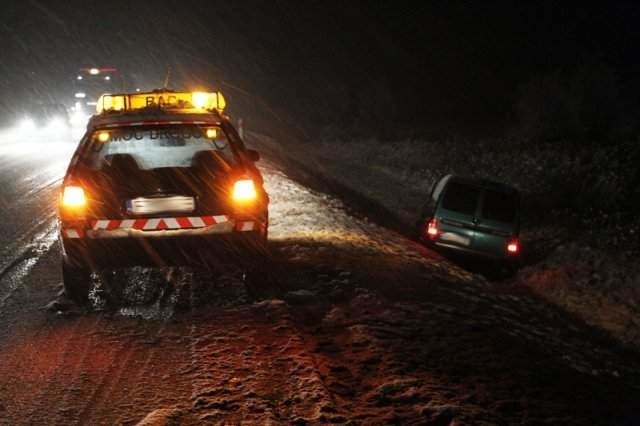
{"x": 357, "y": 324}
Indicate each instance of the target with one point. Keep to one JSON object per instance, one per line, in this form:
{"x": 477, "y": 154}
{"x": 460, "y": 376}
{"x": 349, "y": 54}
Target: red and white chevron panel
{"x": 157, "y": 223}
{"x": 73, "y": 233}
{"x": 245, "y": 226}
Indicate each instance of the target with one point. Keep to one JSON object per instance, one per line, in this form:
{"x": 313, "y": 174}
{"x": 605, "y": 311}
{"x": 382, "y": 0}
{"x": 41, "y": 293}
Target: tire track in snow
{"x": 101, "y": 397}
{"x": 253, "y": 364}
{"x": 28, "y": 180}
{"x": 21, "y": 256}
{"x": 59, "y": 380}
{"x": 13, "y": 253}
{"x": 169, "y": 388}
{"x": 44, "y": 187}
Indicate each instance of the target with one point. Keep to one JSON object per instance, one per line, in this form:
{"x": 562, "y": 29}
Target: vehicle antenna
{"x": 166, "y": 78}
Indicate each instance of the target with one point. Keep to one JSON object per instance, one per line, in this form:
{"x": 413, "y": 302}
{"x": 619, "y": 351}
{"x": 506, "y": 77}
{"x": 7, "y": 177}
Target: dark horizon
{"x": 453, "y": 66}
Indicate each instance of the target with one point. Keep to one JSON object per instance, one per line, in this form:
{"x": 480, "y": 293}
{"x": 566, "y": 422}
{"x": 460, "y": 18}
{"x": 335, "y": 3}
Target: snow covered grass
{"x": 578, "y": 221}
{"x": 601, "y": 287}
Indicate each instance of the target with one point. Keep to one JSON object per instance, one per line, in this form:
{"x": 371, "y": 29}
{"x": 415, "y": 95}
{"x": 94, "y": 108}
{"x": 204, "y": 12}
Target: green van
{"x": 473, "y": 216}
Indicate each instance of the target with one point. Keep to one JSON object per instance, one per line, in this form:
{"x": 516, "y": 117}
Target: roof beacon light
{"x": 198, "y": 101}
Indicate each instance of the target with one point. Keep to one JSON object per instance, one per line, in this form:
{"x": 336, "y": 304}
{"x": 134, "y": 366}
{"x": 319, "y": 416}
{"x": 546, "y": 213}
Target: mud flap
{"x": 77, "y": 282}
{"x": 260, "y": 277}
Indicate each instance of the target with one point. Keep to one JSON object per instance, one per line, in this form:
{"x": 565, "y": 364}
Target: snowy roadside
{"x": 366, "y": 328}
{"x": 598, "y": 283}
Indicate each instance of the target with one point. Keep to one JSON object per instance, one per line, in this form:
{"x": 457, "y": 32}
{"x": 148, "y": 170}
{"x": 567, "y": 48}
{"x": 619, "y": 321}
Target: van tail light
{"x": 244, "y": 190}
{"x": 73, "y": 197}
{"x": 432, "y": 228}
{"x": 513, "y": 247}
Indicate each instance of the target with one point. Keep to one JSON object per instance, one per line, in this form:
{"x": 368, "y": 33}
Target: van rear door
{"x": 498, "y": 221}
{"x": 457, "y": 213}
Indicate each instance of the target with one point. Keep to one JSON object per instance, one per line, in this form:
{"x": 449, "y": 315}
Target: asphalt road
{"x": 356, "y": 325}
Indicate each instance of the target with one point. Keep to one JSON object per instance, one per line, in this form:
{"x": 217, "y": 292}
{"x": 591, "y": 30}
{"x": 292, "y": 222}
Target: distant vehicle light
{"x": 137, "y": 90}
{"x": 78, "y": 118}
{"x": 244, "y": 190}
{"x": 513, "y": 247}
{"x": 94, "y": 71}
{"x": 107, "y": 78}
{"x": 432, "y": 228}
{"x": 26, "y": 124}
{"x": 104, "y": 136}
{"x": 79, "y": 77}
{"x": 73, "y": 197}
{"x": 81, "y": 95}
{"x": 56, "y": 125}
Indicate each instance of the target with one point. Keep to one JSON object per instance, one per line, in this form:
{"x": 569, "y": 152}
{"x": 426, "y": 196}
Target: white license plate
{"x": 153, "y": 205}
{"x": 455, "y": 238}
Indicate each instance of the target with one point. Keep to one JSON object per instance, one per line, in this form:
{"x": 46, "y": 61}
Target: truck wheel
{"x": 262, "y": 246}
{"x": 260, "y": 275}
{"x": 77, "y": 282}
{"x": 133, "y": 286}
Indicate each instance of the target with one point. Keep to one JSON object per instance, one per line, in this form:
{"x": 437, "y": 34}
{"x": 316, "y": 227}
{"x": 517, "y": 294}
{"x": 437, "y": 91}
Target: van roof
{"x": 484, "y": 183}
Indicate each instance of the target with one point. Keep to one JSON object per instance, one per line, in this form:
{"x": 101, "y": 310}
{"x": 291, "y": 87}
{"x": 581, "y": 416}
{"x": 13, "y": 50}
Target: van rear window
{"x": 461, "y": 198}
{"x": 500, "y": 206}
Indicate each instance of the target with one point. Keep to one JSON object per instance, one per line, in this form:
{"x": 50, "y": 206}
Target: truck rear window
{"x": 461, "y": 198}
{"x": 500, "y": 206}
{"x": 156, "y": 147}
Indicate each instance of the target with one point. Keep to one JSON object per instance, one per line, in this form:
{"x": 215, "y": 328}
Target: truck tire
{"x": 77, "y": 282}
{"x": 260, "y": 274}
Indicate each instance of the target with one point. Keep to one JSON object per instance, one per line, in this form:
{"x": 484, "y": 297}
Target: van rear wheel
{"x": 509, "y": 268}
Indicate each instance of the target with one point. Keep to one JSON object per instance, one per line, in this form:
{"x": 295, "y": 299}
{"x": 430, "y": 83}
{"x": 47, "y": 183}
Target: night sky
{"x": 357, "y": 66}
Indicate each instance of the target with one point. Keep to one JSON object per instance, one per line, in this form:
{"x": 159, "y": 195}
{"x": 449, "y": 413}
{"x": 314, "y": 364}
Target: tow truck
{"x": 160, "y": 179}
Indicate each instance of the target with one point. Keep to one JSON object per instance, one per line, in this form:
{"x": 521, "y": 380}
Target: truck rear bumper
{"x": 230, "y": 242}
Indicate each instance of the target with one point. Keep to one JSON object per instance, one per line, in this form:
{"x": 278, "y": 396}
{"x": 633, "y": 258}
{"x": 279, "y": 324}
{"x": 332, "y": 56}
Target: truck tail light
{"x": 513, "y": 247}
{"x": 244, "y": 190}
{"x": 73, "y": 197}
{"x": 432, "y": 228}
